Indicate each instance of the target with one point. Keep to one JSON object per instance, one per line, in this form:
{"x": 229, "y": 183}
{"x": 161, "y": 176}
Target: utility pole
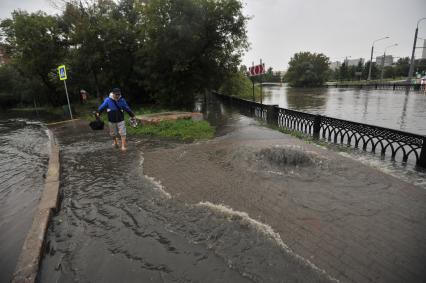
{"x": 411, "y": 71}
{"x": 252, "y": 80}
{"x": 371, "y": 57}
{"x": 261, "y": 98}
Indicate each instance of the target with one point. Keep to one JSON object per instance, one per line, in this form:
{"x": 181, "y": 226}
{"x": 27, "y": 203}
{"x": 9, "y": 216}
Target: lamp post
{"x": 371, "y": 57}
{"x": 410, "y": 72}
{"x": 383, "y": 59}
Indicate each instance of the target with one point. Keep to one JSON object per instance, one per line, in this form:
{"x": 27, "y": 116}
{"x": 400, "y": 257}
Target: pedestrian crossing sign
{"x": 62, "y": 72}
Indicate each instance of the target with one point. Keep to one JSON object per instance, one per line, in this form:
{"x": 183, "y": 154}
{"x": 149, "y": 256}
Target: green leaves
{"x": 307, "y": 69}
{"x": 164, "y": 51}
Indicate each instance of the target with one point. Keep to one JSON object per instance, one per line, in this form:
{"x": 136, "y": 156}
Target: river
{"x": 386, "y": 108}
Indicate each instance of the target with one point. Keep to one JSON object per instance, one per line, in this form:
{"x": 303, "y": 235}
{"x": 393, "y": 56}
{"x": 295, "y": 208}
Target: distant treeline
{"x": 161, "y": 51}
{"x": 360, "y": 72}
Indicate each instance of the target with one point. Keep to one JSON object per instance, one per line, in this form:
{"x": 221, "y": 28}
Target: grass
{"x": 187, "y": 130}
{"x": 180, "y": 129}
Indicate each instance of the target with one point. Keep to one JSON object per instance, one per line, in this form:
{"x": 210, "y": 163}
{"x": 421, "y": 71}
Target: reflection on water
{"x": 386, "y": 108}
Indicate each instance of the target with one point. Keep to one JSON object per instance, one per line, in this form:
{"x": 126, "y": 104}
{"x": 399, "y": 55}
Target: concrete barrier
{"x": 32, "y": 251}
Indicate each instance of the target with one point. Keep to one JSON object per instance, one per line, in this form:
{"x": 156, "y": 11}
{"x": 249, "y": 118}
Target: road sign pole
{"x": 261, "y": 94}
{"x": 68, "y": 99}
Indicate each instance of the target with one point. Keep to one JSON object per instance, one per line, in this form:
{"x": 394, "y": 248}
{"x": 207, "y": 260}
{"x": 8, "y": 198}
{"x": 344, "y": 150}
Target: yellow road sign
{"x": 62, "y": 72}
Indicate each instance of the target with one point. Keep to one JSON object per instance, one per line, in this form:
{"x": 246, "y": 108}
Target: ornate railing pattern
{"x": 368, "y": 137}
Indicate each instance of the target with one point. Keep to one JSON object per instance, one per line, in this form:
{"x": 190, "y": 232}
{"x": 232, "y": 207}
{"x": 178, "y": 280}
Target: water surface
{"x": 387, "y": 108}
{"x": 23, "y": 162}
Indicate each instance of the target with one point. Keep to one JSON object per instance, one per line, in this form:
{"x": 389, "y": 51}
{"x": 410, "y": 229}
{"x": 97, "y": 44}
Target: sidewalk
{"x": 356, "y": 223}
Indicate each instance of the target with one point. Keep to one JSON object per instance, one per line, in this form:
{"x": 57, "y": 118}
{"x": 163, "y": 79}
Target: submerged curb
{"x": 32, "y": 250}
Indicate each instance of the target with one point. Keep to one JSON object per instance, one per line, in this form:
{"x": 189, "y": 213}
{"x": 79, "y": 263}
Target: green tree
{"x": 165, "y": 51}
{"x": 307, "y": 69}
{"x": 375, "y": 72}
{"x": 402, "y": 66}
{"x": 38, "y": 44}
{"x": 389, "y": 72}
{"x": 192, "y": 45}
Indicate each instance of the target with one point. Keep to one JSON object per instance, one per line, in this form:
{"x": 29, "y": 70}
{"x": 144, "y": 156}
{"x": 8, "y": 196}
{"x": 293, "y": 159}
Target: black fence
{"x": 393, "y": 86}
{"x": 398, "y": 144}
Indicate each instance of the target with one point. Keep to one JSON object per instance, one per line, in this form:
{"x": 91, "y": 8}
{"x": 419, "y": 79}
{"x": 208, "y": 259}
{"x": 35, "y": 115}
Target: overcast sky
{"x": 337, "y": 28}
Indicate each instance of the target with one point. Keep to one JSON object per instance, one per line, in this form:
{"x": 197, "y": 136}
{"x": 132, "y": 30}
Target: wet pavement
{"x": 117, "y": 224}
{"x": 23, "y": 162}
{"x": 250, "y": 205}
{"x": 354, "y": 221}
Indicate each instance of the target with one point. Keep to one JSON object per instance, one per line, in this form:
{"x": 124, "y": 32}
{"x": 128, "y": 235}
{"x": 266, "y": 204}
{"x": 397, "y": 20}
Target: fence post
{"x": 272, "y": 114}
{"x": 317, "y": 126}
{"x": 422, "y": 160}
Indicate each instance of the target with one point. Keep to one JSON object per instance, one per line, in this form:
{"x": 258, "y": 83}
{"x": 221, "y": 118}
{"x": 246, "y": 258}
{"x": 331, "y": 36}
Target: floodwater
{"x": 118, "y": 225}
{"x": 387, "y": 108}
{"x": 23, "y": 162}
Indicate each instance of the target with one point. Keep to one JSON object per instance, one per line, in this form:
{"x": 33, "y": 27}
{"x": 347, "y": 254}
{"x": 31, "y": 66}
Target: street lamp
{"x": 371, "y": 58}
{"x": 384, "y": 56}
{"x": 410, "y": 72}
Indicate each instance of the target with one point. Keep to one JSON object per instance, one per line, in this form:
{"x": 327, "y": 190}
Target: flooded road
{"x": 387, "y": 108}
{"x": 118, "y": 225}
{"x": 23, "y": 162}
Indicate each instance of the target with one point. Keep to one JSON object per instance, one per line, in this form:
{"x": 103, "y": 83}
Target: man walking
{"x": 115, "y": 106}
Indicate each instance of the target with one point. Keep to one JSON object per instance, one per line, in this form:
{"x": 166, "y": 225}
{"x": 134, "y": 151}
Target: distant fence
{"x": 398, "y": 144}
{"x": 393, "y": 86}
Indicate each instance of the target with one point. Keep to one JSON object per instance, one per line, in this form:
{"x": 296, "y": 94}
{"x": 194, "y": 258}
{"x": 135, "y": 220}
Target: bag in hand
{"x": 97, "y": 125}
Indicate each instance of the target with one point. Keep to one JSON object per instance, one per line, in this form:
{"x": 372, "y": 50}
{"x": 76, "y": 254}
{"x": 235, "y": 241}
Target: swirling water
{"x": 118, "y": 225}
{"x": 23, "y": 161}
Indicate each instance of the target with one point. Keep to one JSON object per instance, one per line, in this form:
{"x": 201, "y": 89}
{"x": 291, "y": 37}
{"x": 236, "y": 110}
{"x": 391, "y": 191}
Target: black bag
{"x": 97, "y": 125}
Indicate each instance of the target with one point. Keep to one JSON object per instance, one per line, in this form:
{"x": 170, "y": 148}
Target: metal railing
{"x": 398, "y": 144}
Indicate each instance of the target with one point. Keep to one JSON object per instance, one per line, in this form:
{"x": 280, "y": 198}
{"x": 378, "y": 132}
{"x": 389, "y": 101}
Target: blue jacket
{"x": 115, "y": 114}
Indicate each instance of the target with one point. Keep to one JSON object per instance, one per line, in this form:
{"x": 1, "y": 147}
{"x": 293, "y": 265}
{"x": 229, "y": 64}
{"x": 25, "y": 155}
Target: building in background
{"x": 354, "y": 62}
{"x": 388, "y": 60}
{"x": 335, "y": 65}
{"x": 424, "y": 50}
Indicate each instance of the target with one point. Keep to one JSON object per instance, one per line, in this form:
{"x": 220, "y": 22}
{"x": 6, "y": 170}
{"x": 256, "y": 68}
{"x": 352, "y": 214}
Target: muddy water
{"x": 387, "y": 108}
{"x": 118, "y": 225}
{"x": 23, "y": 161}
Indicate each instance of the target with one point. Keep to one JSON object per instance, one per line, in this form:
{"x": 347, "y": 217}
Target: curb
{"x": 30, "y": 257}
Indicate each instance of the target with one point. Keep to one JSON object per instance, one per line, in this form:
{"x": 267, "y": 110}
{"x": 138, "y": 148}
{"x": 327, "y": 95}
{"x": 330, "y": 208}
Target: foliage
{"x": 238, "y": 84}
{"x": 162, "y": 51}
{"x": 181, "y": 129}
{"x": 192, "y": 45}
{"x": 13, "y": 93}
{"x": 307, "y": 69}
{"x": 38, "y": 45}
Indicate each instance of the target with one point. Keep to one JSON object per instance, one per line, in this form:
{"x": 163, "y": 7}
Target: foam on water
{"x": 264, "y": 229}
{"x": 157, "y": 184}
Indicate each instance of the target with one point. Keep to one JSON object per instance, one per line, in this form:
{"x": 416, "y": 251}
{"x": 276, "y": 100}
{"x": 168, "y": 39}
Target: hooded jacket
{"x": 115, "y": 114}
